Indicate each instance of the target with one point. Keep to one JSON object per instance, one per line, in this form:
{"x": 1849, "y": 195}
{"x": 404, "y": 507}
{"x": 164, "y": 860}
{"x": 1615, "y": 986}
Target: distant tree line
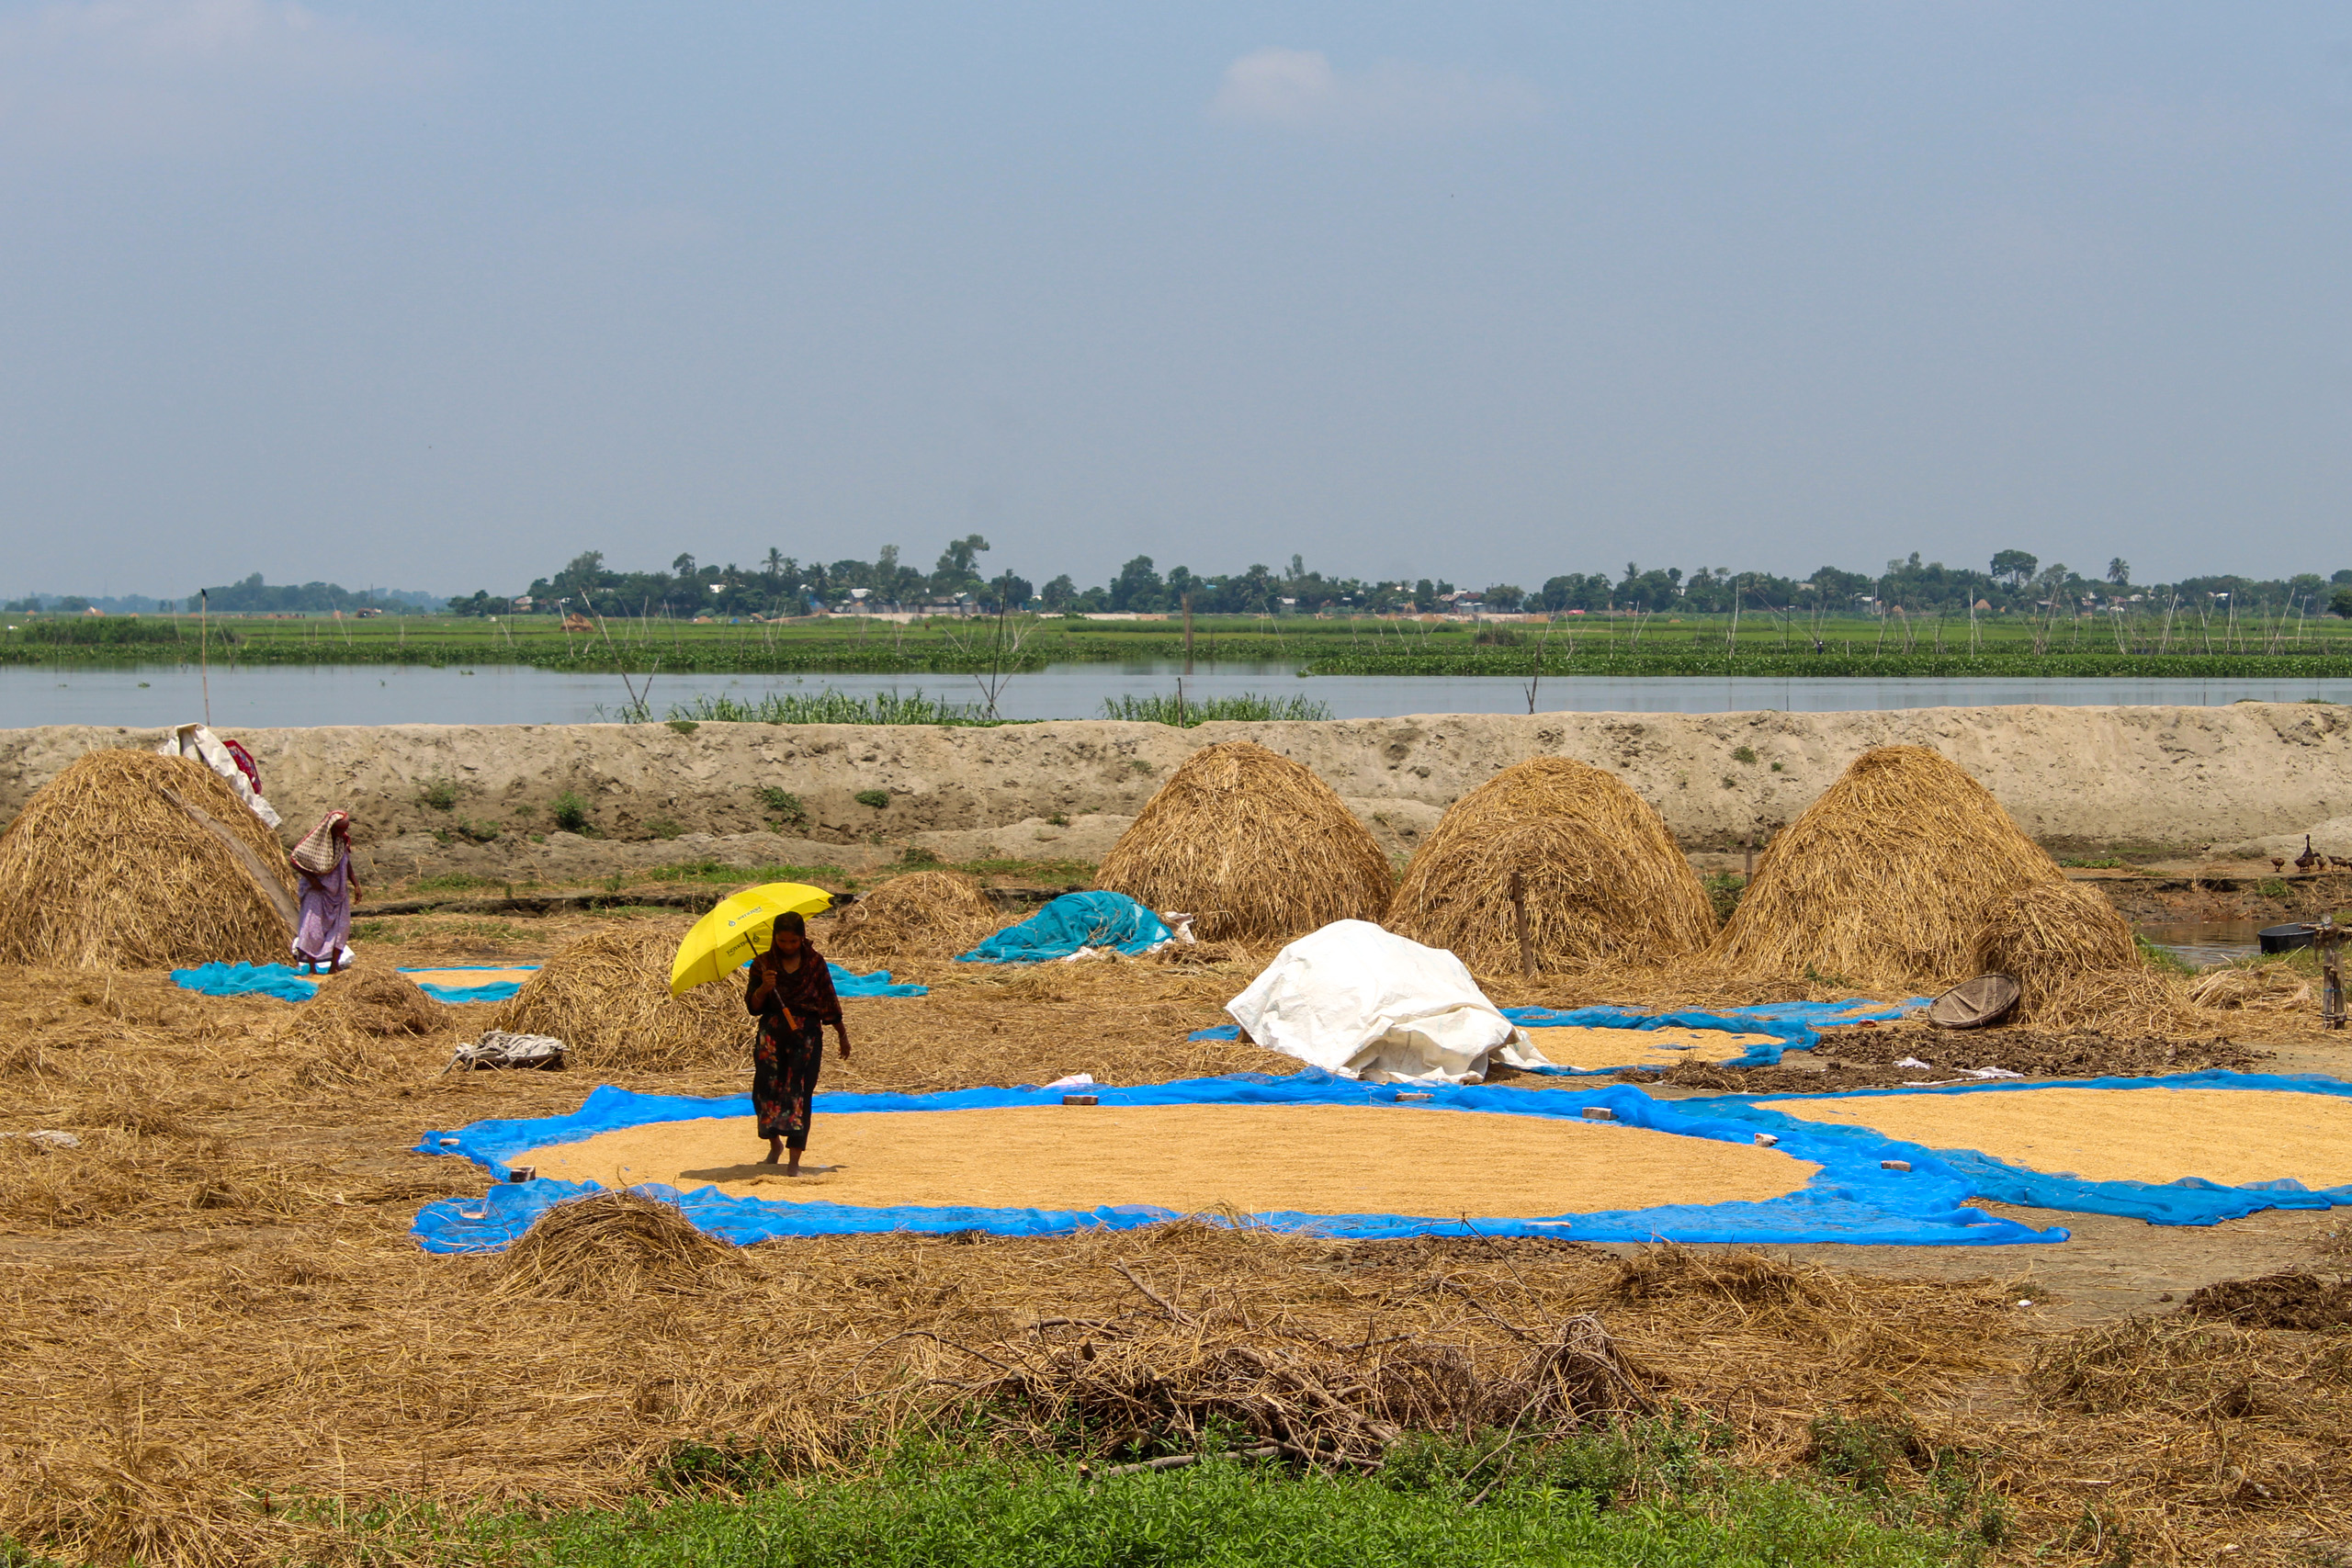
{"x": 2012, "y": 581}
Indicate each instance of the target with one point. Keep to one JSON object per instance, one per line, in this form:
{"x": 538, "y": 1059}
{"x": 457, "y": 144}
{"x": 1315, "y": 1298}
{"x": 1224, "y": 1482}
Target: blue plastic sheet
{"x": 2192, "y": 1201}
{"x": 1069, "y": 922}
{"x": 287, "y": 984}
{"x": 277, "y": 980}
{"x": 1851, "y": 1199}
{"x": 874, "y": 984}
{"x": 1792, "y": 1024}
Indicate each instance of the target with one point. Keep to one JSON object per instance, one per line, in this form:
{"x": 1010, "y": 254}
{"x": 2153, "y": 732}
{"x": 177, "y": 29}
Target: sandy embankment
{"x": 2075, "y": 778}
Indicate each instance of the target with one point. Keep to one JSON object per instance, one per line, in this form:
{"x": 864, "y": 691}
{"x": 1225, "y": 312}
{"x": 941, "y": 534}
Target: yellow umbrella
{"x": 732, "y": 934}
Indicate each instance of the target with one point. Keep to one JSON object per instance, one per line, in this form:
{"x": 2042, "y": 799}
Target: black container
{"x": 2286, "y": 938}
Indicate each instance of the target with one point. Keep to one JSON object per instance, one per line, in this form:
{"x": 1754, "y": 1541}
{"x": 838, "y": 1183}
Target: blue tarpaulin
{"x": 1794, "y": 1025}
{"x": 1069, "y": 922}
{"x": 2191, "y": 1202}
{"x": 287, "y": 984}
{"x": 1851, "y": 1199}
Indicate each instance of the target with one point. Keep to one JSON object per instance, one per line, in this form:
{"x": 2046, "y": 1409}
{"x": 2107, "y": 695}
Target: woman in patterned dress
{"x": 791, "y": 991}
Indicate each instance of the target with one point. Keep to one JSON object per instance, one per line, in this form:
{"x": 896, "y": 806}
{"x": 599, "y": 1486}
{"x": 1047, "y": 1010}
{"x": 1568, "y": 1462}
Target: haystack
{"x": 607, "y": 997}
{"x": 613, "y": 1245}
{"x": 128, "y": 860}
{"x": 1883, "y": 882}
{"x": 925, "y": 914}
{"x": 360, "y": 1027}
{"x": 1600, "y": 876}
{"x": 1251, "y": 843}
{"x": 2074, "y": 960}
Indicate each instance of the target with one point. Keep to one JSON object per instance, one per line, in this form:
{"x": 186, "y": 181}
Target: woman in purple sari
{"x": 322, "y": 864}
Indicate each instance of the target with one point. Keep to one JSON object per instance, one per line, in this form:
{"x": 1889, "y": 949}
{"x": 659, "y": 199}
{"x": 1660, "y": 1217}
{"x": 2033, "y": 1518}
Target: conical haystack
{"x": 1251, "y": 843}
{"x": 1884, "y": 880}
{"x": 925, "y": 914}
{"x": 607, "y": 997}
{"x": 128, "y": 860}
{"x": 2074, "y": 962}
{"x": 1599, "y": 876}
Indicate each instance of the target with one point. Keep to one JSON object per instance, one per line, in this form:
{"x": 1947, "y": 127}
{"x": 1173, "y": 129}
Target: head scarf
{"x": 318, "y": 851}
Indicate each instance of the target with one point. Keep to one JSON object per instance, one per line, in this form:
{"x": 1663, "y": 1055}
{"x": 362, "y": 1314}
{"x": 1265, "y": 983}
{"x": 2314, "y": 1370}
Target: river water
{"x": 285, "y": 695}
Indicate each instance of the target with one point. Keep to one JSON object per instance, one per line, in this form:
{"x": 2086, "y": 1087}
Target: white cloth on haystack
{"x": 1366, "y": 1003}
{"x": 201, "y": 745}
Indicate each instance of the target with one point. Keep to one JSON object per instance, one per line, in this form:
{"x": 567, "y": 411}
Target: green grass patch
{"x": 453, "y": 881}
{"x": 1724, "y": 890}
{"x": 1067, "y": 873}
{"x": 1185, "y": 712}
{"x": 879, "y": 799}
{"x": 827, "y": 707}
{"x": 390, "y": 932}
{"x": 1555, "y": 1508}
{"x": 784, "y": 809}
{"x": 718, "y": 873}
{"x": 2102, "y": 862}
{"x": 2162, "y": 959}
{"x": 570, "y": 812}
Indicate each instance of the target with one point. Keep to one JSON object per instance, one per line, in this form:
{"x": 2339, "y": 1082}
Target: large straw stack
{"x": 1252, "y": 844}
{"x": 2074, "y": 961}
{"x": 1598, "y": 875}
{"x": 1886, "y": 880}
{"x": 607, "y": 997}
{"x": 128, "y": 860}
{"x": 925, "y": 914}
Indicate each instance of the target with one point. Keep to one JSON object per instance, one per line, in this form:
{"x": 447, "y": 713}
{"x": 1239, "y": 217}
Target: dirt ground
{"x": 214, "y": 1306}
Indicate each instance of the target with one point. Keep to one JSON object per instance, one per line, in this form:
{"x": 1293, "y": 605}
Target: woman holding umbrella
{"x": 790, "y": 991}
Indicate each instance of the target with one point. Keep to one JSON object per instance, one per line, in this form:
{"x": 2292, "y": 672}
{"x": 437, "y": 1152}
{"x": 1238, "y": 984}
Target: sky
{"x": 435, "y": 295}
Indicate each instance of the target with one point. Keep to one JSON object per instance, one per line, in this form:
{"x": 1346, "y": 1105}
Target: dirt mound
{"x": 130, "y": 860}
{"x": 1590, "y": 864}
{"x": 1252, "y": 844}
{"x": 2275, "y": 1301}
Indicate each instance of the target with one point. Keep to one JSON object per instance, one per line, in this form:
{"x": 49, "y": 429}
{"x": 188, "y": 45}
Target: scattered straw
{"x": 2252, "y": 987}
{"x": 1600, "y": 876}
{"x": 607, "y": 997}
{"x": 934, "y": 914}
{"x": 104, "y": 869}
{"x": 1885, "y": 879}
{"x": 2226, "y": 1135}
{"x": 1323, "y": 1160}
{"x": 1254, "y": 845}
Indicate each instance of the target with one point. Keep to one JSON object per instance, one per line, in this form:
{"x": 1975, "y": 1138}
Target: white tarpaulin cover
{"x": 200, "y": 744}
{"x": 1366, "y": 1003}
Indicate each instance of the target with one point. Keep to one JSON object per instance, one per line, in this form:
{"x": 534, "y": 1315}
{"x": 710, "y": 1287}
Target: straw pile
{"x": 607, "y": 997}
{"x": 1601, "y": 878}
{"x": 1886, "y": 880}
{"x": 1251, "y": 843}
{"x": 2275, "y": 987}
{"x": 104, "y": 869}
{"x": 613, "y": 1245}
{"x": 926, "y": 914}
{"x": 340, "y": 1035}
{"x": 2074, "y": 960}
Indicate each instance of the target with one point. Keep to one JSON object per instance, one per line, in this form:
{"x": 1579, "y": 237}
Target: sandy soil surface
{"x": 1323, "y": 1160}
{"x": 2074, "y": 777}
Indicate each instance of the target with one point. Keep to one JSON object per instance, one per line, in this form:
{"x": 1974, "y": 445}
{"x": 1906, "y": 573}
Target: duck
{"x": 2310, "y": 858}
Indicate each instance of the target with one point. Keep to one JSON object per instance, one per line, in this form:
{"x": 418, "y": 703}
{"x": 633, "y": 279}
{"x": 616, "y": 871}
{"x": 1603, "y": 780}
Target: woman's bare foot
{"x": 794, "y": 1168}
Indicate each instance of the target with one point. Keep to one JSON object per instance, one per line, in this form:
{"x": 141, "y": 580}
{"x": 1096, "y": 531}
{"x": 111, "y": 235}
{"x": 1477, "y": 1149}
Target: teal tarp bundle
{"x": 1072, "y": 921}
{"x": 1851, "y": 1199}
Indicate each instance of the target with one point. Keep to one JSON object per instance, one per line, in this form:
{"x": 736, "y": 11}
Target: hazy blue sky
{"x": 432, "y": 294}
